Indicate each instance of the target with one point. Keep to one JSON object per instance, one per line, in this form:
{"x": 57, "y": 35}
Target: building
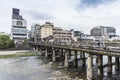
{"x": 103, "y": 31}
{"x": 57, "y": 31}
{"x": 19, "y": 27}
{"x": 35, "y": 32}
{"x": 46, "y": 31}
{"x": 41, "y": 32}
{"x": 61, "y": 35}
{"x": 77, "y": 35}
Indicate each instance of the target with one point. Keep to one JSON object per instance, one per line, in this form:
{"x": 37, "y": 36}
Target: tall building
{"x": 46, "y": 30}
{"x": 103, "y": 31}
{"x": 35, "y": 32}
{"x": 19, "y": 27}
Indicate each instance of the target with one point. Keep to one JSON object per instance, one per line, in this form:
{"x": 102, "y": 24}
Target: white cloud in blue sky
{"x": 77, "y": 14}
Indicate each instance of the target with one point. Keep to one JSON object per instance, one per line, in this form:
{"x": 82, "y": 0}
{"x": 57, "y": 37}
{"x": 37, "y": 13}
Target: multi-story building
{"x": 103, "y": 31}
{"x": 77, "y": 35}
{"x": 19, "y": 29}
{"x": 46, "y": 30}
{"x": 61, "y": 35}
{"x": 35, "y": 32}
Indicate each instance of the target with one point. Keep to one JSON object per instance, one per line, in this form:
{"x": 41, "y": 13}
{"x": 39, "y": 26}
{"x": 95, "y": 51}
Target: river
{"x": 38, "y": 68}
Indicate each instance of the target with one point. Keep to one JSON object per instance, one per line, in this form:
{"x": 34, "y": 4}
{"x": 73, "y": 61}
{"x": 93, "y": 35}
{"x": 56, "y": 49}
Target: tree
{"x": 5, "y": 42}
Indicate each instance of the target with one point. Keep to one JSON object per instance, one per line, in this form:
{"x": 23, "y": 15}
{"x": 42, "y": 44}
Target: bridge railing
{"x": 77, "y": 45}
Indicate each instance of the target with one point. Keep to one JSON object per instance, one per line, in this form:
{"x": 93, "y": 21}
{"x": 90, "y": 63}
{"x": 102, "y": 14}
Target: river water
{"x": 39, "y": 68}
{"x": 28, "y": 68}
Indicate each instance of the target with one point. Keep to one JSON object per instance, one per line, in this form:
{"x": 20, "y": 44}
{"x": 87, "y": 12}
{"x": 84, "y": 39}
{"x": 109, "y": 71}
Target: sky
{"x": 81, "y": 15}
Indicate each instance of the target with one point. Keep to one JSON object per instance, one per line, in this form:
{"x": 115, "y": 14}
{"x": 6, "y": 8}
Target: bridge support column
{"x": 100, "y": 63}
{"x": 84, "y": 59}
{"x": 117, "y": 63}
{"x": 39, "y": 51}
{"x": 46, "y": 53}
{"x": 81, "y": 54}
{"x": 96, "y": 59}
{"x": 63, "y": 57}
{"x": 89, "y": 67}
{"x": 36, "y": 49}
{"x": 76, "y": 61}
{"x": 109, "y": 68}
{"x": 66, "y": 58}
{"x": 69, "y": 54}
{"x": 53, "y": 55}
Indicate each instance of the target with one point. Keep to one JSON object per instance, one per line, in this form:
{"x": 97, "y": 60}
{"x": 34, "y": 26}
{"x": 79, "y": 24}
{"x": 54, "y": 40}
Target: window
{"x": 19, "y": 23}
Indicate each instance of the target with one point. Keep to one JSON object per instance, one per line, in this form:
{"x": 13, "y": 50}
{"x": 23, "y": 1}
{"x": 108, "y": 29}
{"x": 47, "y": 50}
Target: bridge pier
{"x": 81, "y": 52}
{"x": 40, "y": 50}
{"x": 75, "y": 59}
{"x": 100, "y": 63}
{"x": 60, "y": 51}
{"x": 89, "y": 67}
{"x": 117, "y": 65}
{"x": 63, "y": 57}
{"x": 46, "y": 53}
{"x": 33, "y": 48}
{"x": 66, "y": 58}
{"x": 109, "y": 68}
{"x": 84, "y": 59}
{"x": 36, "y": 48}
{"x": 53, "y": 55}
{"x": 96, "y": 59}
{"x": 69, "y": 57}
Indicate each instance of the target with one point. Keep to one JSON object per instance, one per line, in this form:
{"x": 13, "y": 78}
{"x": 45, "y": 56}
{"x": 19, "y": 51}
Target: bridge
{"x": 64, "y": 52}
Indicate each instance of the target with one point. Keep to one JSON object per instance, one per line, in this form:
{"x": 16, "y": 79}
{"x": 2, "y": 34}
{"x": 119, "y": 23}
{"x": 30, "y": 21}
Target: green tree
{"x": 5, "y": 42}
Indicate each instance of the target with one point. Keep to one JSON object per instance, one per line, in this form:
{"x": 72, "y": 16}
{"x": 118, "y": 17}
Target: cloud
{"x": 76, "y": 14}
{"x": 94, "y": 3}
{"x": 39, "y": 15}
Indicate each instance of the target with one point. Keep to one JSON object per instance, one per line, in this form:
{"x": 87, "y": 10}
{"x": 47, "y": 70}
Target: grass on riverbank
{"x": 24, "y": 54}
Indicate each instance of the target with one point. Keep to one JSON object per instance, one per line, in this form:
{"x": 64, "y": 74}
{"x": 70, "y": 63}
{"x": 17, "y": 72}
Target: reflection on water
{"x": 38, "y": 68}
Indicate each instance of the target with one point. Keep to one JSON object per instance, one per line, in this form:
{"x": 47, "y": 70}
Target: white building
{"x": 19, "y": 30}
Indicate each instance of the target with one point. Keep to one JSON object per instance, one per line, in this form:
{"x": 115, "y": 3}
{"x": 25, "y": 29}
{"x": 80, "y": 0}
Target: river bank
{"x": 17, "y": 53}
